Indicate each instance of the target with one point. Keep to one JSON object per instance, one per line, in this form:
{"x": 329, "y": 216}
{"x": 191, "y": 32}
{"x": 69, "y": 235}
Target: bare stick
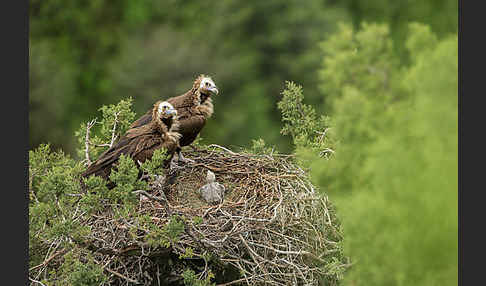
{"x": 113, "y": 131}
{"x": 121, "y": 275}
{"x": 118, "y": 274}
{"x": 163, "y": 201}
{"x": 38, "y": 282}
{"x": 86, "y": 142}
{"x": 225, "y": 149}
{"x": 63, "y": 251}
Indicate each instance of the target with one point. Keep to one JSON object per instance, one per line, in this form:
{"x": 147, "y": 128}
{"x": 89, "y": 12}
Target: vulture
{"x": 193, "y": 108}
{"x": 141, "y": 142}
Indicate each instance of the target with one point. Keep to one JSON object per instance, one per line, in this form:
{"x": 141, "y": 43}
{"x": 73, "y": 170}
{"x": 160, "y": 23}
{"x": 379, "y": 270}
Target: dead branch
{"x": 87, "y": 142}
{"x": 113, "y": 131}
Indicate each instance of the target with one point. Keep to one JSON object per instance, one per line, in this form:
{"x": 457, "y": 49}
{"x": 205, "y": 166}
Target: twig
{"x": 118, "y": 274}
{"x": 60, "y": 252}
{"x": 225, "y": 149}
{"x": 86, "y": 142}
{"x": 100, "y": 145}
{"x": 163, "y": 201}
{"x": 38, "y": 282}
{"x": 113, "y": 137}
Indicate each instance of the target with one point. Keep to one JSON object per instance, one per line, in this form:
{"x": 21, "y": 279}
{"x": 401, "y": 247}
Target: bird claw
{"x": 173, "y": 165}
{"x": 184, "y": 159}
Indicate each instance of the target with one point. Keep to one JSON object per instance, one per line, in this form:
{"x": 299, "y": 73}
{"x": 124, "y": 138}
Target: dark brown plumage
{"x": 141, "y": 142}
{"x": 193, "y": 108}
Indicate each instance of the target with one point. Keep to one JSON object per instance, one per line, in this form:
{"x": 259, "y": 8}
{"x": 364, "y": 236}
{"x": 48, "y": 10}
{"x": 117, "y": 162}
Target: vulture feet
{"x": 184, "y": 159}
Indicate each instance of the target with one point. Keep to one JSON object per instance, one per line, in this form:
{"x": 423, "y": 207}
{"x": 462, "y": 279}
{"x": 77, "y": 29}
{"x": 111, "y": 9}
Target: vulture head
{"x": 205, "y": 86}
{"x": 164, "y": 112}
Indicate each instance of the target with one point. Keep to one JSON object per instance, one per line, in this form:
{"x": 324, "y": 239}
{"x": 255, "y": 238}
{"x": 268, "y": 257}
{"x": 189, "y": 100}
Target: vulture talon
{"x": 185, "y": 160}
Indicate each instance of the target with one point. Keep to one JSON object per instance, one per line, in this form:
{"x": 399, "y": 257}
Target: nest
{"x": 271, "y": 228}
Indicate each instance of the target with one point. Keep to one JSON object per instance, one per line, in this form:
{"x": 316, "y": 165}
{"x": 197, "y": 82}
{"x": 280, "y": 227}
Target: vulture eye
{"x": 207, "y": 83}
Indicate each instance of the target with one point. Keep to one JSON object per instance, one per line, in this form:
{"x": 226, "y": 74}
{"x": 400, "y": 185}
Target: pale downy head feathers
{"x": 166, "y": 110}
{"x": 205, "y": 85}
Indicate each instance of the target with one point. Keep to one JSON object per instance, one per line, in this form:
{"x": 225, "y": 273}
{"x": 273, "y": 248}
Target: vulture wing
{"x": 143, "y": 120}
{"x": 138, "y": 143}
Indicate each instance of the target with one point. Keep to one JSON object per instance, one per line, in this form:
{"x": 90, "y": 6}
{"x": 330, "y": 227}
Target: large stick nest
{"x": 271, "y": 228}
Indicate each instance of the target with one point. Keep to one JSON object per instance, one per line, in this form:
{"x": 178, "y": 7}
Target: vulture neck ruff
{"x": 167, "y": 127}
{"x": 203, "y": 104}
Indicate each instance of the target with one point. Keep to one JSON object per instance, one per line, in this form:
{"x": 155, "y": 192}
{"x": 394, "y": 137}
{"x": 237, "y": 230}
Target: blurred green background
{"x": 388, "y": 84}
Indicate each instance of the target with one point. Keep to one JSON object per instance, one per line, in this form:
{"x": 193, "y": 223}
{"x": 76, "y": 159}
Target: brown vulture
{"x": 193, "y": 108}
{"x": 141, "y": 142}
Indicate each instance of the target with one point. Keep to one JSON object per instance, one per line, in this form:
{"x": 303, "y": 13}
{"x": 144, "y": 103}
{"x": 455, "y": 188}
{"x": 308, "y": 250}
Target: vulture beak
{"x": 171, "y": 112}
{"x": 214, "y": 90}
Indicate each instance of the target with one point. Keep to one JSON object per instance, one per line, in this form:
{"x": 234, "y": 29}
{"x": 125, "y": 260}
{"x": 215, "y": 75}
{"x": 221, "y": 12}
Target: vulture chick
{"x": 212, "y": 192}
{"x": 140, "y": 142}
{"x": 193, "y": 108}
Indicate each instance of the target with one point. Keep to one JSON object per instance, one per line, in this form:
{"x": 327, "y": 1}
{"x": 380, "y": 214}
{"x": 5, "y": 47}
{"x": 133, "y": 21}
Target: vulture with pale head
{"x": 193, "y": 108}
{"x": 140, "y": 142}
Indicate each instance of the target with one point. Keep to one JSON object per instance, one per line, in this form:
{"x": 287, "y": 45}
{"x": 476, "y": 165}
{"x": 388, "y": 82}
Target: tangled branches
{"x": 271, "y": 228}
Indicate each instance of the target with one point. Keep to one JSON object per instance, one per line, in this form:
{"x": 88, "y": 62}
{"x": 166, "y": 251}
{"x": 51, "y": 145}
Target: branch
{"x": 225, "y": 149}
{"x": 86, "y": 142}
{"x": 118, "y": 274}
{"x": 100, "y": 145}
{"x": 113, "y": 137}
{"x": 60, "y": 252}
{"x": 160, "y": 200}
{"x": 325, "y": 151}
{"x": 38, "y": 282}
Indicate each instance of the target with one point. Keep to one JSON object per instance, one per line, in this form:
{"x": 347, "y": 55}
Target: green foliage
{"x": 125, "y": 177}
{"x": 259, "y": 147}
{"x": 441, "y": 16}
{"x": 175, "y": 227}
{"x": 369, "y": 51}
{"x": 121, "y": 112}
{"x": 115, "y": 120}
{"x": 77, "y": 273}
{"x": 166, "y": 235}
{"x": 85, "y": 55}
{"x": 301, "y": 122}
{"x": 41, "y": 162}
{"x": 394, "y": 173}
{"x": 59, "y": 207}
{"x": 189, "y": 253}
{"x": 154, "y": 165}
{"x": 191, "y": 279}
{"x": 93, "y": 201}
{"x": 197, "y": 220}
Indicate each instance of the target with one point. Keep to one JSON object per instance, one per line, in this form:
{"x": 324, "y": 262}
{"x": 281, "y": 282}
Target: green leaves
{"x": 59, "y": 208}
{"x": 363, "y": 60}
{"x": 395, "y": 167}
{"x": 154, "y": 165}
{"x": 191, "y": 279}
{"x": 394, "y": 170}
{"x": 81, "y": 273}
{"x": 116, "y": 117}
{"x": 166, "y": 235}
{"x": 125, "y": 176}
{"x": 301, "y": 121}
